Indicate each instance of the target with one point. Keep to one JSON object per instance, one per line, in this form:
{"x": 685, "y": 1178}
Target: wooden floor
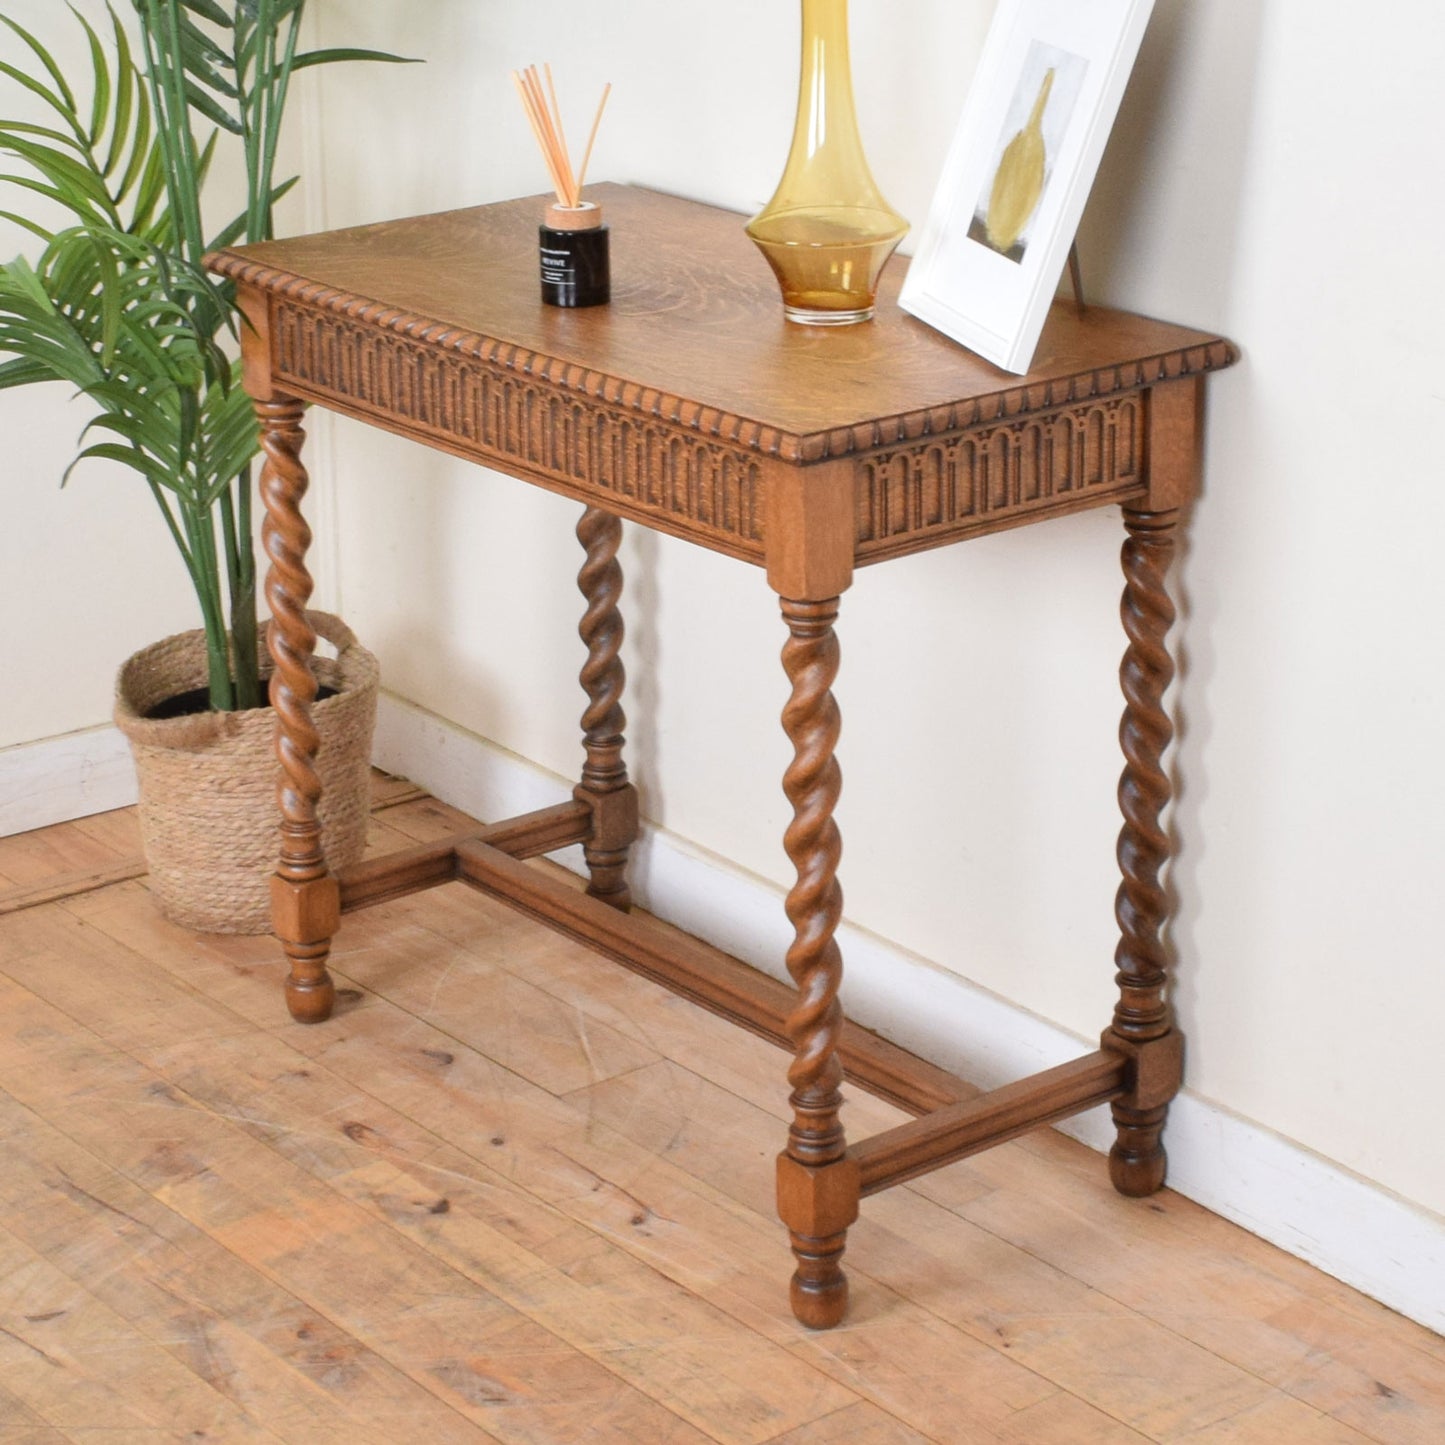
{"x": 514, "y": 1193}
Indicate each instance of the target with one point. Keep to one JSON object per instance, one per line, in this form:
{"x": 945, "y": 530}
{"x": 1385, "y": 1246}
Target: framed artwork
{"x": 1024, "y": 155}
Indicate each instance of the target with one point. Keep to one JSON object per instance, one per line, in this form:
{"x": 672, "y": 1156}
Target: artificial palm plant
{"x": 117, "y": 302}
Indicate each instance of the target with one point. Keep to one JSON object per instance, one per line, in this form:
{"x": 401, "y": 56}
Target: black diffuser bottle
{"x": 575, "y": 265}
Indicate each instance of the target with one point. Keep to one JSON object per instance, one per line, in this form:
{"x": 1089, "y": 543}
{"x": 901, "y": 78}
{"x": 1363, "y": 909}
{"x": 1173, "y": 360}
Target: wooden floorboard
{"x": 513, "y": 1192}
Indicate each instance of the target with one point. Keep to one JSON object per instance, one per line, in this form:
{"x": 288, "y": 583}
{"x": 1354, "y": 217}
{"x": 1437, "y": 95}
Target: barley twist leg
{"x": 818, "y": 1198}
{"x": 1143, "y": 1024}
{"x": 604, "y": 786}
{"x": 305, "y": 903}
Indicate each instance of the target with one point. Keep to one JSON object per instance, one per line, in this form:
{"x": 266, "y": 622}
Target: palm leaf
{"x": 204, "y": 103}
{"x": 210, "y": 10}
{"x": 60, "y": 99}
{"x": 156, "y": 472}
{"x": 129, "y": 95}
{"x": 23, "y": 371}
{"x": 46, "y": 60}
{"x": 48, "y": 132}
{"x": 100, "y": 78}
{"x": 79, "y": 185}
{"x": 330, "y": 55}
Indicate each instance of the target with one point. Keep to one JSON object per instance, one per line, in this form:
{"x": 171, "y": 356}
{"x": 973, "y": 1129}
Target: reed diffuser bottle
{"x": 827, "y": 230}
{"x": 573, "y": 244}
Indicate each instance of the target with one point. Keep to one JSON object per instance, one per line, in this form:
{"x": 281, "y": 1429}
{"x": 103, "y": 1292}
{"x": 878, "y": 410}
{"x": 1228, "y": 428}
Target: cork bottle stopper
{"x": 585, "y": 216}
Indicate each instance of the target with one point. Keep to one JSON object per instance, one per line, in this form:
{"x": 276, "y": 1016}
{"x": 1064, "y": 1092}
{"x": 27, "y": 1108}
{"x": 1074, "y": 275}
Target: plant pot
{"x": 208, "y": 812}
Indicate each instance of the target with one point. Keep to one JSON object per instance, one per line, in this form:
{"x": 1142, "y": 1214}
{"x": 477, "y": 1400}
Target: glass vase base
{"x": 810, "y": 316}
{"x": 827, "y": 260}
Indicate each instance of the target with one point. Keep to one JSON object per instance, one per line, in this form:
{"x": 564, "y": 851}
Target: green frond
{"x": 152, "y": 470}
{"x": 34, "y": 227}
{"x": 129, "y": 97}
{"x": 47, "y": 132}
{"x": 45, "y": 59}
{"x": 210, "y": 10}
{"x": 329, "y": 56}
{"x": 61, "y": 100}
{"x": 100, "y": 80}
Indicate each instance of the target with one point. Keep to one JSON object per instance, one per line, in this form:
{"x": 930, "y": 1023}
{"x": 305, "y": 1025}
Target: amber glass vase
{"x": 827, "y": 231}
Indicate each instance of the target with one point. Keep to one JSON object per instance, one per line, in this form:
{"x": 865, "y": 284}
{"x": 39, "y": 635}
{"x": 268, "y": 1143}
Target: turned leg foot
{"x": 818, "y": 1291}
{"x": 304, "y": 897}
{"x": 1137, "y": 1162}
{"x": 310, "y": 993}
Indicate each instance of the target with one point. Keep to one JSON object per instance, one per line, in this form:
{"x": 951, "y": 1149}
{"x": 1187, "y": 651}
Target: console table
{"x": 689, "y": 405}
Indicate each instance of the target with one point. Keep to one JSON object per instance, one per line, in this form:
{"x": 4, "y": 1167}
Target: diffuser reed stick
{"x": 592, "y": 139}
{"x": 544, "y": 115}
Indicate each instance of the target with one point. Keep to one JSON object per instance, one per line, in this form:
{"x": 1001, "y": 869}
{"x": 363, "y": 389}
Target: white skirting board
{"x": 1353, "y": 1229}
{"x": 1312, "y": 1208}
{"x": 57, "y": 779}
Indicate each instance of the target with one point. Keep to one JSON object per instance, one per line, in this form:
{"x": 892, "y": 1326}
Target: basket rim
{"x": 354, "y": 672}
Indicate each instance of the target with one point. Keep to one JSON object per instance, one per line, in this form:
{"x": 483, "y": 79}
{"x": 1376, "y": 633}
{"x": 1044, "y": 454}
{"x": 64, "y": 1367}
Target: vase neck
{"x": 826, "y": 116}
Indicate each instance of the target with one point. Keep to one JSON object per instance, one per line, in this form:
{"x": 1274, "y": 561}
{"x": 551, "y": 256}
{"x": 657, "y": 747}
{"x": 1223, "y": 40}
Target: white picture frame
{"x": 1034, "y": 127}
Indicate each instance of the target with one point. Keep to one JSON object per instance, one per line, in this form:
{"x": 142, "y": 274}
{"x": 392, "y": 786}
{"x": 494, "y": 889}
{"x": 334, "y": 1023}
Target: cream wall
{"x": 85, "y": 575}
{"x": 1271, "y": 178}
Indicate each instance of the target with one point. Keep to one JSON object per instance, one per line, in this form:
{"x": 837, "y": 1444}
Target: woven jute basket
{"x": 208, "y": 810}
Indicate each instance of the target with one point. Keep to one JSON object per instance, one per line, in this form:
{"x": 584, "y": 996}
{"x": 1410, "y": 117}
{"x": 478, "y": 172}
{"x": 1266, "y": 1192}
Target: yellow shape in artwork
{"x": 1019, "y": 182}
